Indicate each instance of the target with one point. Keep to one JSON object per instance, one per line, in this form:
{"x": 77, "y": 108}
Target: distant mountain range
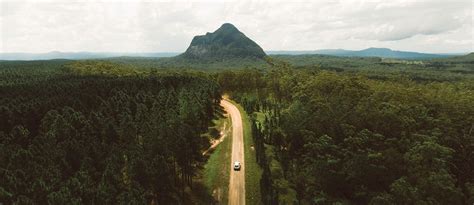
{"x": 78, "y": 55}
{"x": 226, "y": 43}
{"x": 369, "y": 52}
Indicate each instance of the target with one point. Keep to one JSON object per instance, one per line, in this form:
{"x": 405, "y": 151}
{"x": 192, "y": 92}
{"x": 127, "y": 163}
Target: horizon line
{"x": 141, "y": 52}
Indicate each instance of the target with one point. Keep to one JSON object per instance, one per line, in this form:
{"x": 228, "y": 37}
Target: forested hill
{"x": 469, "y": 58}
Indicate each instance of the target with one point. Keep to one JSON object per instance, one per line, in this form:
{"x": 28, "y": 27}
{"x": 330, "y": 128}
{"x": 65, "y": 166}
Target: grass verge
{"x": 216, "y": 171}
{"x": 253, "y": 172}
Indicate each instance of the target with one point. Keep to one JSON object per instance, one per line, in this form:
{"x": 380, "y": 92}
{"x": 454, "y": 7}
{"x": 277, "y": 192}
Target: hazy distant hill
{"x": 227, "y": 42}
{"x": 388, "y": 53}
{"x": 469, "y": 58}
{"x": 77, "y": 55}
{"x": 369, "y": 52}
{"x": 226, "y": 47}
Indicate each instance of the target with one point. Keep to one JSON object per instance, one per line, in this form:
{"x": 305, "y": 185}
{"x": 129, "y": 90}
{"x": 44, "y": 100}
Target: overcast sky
{"x": 436, "y": 26}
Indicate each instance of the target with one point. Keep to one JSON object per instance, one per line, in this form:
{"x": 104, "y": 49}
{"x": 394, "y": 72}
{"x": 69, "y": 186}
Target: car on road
{"x": 236, "y": 165}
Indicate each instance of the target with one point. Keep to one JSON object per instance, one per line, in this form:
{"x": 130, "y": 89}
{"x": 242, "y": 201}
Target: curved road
{"x": 237, "y": 178}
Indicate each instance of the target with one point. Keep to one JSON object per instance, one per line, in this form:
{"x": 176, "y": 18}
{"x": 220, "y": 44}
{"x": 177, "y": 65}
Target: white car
{"x": 236, "y": 165}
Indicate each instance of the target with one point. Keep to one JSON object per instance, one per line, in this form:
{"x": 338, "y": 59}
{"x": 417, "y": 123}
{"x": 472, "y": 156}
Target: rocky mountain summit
{"x": 227, "y": 42}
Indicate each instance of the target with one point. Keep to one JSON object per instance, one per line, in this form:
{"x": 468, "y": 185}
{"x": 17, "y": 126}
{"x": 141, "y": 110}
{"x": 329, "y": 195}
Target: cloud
{"x": 417, "y": 18}
{"x": 151, "y": 26}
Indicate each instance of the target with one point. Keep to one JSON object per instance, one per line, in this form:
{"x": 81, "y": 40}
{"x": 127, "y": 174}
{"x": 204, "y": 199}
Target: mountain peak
{"x": 224, "y": 43}
{"x": 228, "y": 27}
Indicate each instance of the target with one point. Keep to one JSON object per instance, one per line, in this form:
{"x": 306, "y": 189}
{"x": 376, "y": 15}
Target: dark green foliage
{"x": 95, "y": 139}
{"x": 28, "y": 72}
{"x": 369, "y": 131}
{"x": 443, "y": 69}
{"x": 344, "y": 138}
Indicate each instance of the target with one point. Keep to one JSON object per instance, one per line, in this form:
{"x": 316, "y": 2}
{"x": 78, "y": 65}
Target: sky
{"x": 433, "y": 26}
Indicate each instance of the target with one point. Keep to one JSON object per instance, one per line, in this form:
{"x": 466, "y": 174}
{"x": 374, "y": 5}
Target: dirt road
{"x": 237, "y": 178}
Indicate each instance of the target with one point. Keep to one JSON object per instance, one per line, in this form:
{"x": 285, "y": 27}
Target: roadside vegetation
{"x": 216, "y": 170}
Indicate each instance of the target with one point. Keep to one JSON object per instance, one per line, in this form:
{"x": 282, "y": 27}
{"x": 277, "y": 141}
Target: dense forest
{"x": 351, "y": 138}
{"x": 326, "y": 130}
{"x": 69, "y": 135}
{"x": 440, "y": 70}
